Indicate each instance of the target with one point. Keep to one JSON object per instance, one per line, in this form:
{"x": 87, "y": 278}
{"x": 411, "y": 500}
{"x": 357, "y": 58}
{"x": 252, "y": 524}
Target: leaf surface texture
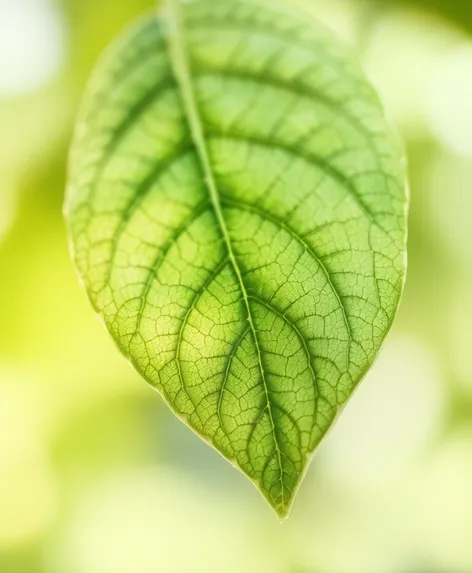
{"x": 236, "y": 206}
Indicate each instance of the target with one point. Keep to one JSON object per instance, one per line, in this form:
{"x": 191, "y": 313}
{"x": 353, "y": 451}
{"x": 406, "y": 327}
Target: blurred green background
{"x": 97, "y": 476}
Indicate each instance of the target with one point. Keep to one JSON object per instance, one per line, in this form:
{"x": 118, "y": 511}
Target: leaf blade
{"x": 252, "y": 263}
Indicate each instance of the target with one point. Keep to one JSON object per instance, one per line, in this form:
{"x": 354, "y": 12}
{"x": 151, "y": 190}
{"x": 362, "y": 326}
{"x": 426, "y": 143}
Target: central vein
{"x": 181, "y": 68}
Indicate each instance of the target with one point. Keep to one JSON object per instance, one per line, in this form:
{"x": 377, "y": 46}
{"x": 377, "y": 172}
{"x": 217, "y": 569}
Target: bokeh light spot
{"x": 449, "y": 105}
{"x": 32, "y": 45}
{"x": 28, "y": 493}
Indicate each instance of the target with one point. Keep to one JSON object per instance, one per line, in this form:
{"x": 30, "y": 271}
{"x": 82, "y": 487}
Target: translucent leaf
{"x": 237, "y": 212}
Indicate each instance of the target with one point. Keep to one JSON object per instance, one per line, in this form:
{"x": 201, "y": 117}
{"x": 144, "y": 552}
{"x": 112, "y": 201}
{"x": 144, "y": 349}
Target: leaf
{"x": 237, "y": 211}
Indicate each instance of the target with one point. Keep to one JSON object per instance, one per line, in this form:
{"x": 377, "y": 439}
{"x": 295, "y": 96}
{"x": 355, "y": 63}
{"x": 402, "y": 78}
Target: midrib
{"x": 178, "y": 54}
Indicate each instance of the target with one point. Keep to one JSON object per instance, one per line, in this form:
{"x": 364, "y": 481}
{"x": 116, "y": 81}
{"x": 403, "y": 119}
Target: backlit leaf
{"x": 237, "y": 212}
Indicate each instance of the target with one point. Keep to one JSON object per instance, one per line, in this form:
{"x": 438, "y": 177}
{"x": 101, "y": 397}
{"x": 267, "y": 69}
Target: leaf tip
{"x": 281, "y": 510}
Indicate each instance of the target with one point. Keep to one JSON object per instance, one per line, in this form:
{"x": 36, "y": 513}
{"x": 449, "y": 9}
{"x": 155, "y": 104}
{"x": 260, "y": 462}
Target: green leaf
{"x": 237, "y": 209}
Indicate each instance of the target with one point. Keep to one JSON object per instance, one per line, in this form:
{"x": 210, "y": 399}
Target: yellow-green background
{"x": 97, "y": 476}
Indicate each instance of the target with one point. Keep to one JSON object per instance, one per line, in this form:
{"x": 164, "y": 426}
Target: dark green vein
{"x": 211, "y": 277}
{"x": 227, "y": 371}
{"x": 311, "y": 158}
{"x": 210, "y": 23}
{"x": 229, "y": 202}
{"x": 271, "y": 308}
{"x": 294, "y": 87}
{"x": 171, "y": 241}
{"x": 118, "y": 133}
{"x": 139, "y": 196}
{"x": 149, "y": 42}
